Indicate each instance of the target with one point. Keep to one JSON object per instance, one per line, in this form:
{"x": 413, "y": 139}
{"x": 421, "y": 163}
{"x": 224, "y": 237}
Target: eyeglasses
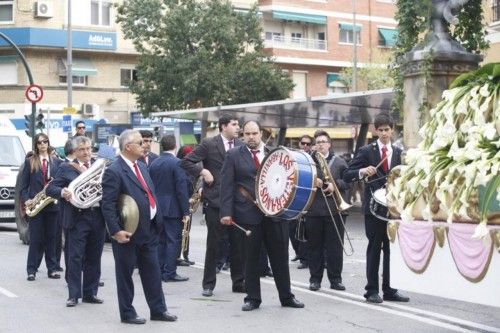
{"x": 305, "y": 143}
{"x": 319, "y": 142}
{"x": 81, "y": 127}
{"x": 46, "y": 142}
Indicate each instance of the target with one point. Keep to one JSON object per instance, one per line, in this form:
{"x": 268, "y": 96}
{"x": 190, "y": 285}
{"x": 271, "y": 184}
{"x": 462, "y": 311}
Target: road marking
{"x": 8, "y": 233}
{"x": 7, "y": 293}
{"x": 428, "y": 317}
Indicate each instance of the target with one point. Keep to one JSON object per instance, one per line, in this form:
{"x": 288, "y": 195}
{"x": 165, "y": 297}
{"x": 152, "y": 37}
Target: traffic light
{"x": 39, "y": 122}
{"x": 29, "y": 123}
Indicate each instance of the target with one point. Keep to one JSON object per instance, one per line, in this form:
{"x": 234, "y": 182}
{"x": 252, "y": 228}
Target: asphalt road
{"x": 40, "y": 306}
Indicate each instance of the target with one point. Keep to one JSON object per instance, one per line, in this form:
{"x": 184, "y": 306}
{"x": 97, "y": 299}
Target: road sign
{"x": 68, "y": 110}
{"x": 34, "y": 93}
{"x": 67, "y": 124}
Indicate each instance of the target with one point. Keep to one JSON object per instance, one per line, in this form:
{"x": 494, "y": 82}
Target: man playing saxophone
{"x": 85, "y": 228}
{"x": 36, "y": 174}
{"x": 324, "y": 234}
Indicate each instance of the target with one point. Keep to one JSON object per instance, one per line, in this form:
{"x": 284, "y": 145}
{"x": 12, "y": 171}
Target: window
{"x": 77, "y": 80}
{"x": 100, "y": 12}
{"x": 8, "y": 68}
{"x": 300, "y": 81}
{"x": 127, "y": 75}
{"x": 6, "y": 11}
{"x": 346, "y": 33}
{"x": 495, "y": 9}
{"x": 296, "y": 36}
{"x": 273, "y": 35}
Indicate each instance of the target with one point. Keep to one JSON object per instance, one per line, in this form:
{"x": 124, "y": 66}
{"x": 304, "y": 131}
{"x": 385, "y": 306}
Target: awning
{"x": 334, "y": 133}
{"x": 389, "y": 36}
{"x": 331, "y": 77}
{"x": 188, "y": 139}
{"x": 316, "y": 19}
{"x": 81, "y": 67}
{"x": 347, "y": 26}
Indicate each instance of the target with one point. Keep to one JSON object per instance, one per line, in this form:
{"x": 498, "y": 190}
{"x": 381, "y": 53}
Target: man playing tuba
{"x": 85, "y": 228}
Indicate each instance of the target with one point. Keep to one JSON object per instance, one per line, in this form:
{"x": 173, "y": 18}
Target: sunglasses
{"x": 81, "y": 127}
{"x": 43, "y": 142}
{"x": 305, "y": 143}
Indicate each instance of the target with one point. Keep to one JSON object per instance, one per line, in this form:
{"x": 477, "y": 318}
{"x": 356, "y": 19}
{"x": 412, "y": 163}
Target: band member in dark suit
{"x": 172, "y": 192}
{"x": 211, "y": 152}
{"x": 322, "y": 237}
{"x": 147, "y": 156}
{"x": 364, "y": 165}
{"x": 37, "y": 172}
{"x": 237, "y": 182}
{"x": 85, "y": 228}
{"x": 127, "y": 176}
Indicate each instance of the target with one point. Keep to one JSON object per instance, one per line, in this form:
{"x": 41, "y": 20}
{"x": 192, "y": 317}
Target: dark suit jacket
{"x": 211, "y": 152}
{"x": 239, "y": 171}
{"x": 152, "y": 156}
{"x": 120, "y": 179}
{"x": 366, "y": 156}
{"x": 32, "y": 183}
{"x": 337, "y": 168}
{"x": 65, "y": 175}
{"x": 171, "y": 186}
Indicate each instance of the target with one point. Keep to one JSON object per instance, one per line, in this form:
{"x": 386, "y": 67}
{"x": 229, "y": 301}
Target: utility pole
{"x": 69, "y": 62}
{"x": 355, "y": 47}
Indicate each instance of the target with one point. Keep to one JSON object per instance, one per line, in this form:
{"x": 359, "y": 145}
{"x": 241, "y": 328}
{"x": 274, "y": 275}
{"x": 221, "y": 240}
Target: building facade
{"x": 492, "y": 22}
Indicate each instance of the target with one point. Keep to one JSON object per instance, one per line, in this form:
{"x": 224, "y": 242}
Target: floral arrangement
{"x": 460, "y": 153}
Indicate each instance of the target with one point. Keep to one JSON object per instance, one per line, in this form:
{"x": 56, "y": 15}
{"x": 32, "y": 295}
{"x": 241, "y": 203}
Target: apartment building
{"x": 103, "y": 61}
{"x": 314, "y": 39}
{"x": 492, "y": 18}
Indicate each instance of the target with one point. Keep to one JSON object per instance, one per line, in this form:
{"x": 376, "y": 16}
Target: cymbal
{"x": 129, "y": 213}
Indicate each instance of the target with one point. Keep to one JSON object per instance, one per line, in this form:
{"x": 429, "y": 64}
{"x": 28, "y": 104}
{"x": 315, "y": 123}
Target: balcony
{"x": 293, "y": 43}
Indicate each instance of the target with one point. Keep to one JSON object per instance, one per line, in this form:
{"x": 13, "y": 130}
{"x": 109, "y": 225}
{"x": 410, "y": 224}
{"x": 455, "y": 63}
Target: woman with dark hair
{"x": 42, "y": 227}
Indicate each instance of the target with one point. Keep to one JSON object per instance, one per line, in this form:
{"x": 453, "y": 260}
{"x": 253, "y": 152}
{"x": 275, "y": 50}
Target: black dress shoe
{"x": 239, "y": 289}
{"x": 136, "y": 320}
{"x": 165, "y": 316}
{"x": 292, "y": 303}
{"x": 249, "y": 306}
{"x": 295, "y": 258}
{"x": 190, "y": 262}
{"x": 101, "y": 284}
{"x": 177, "y": 278}
{"x": 59, "y": 269}
{"x": 71, "y": 302}
{"x": 207, "y": 292}
{"x": 182, "y": 263}
{"x": 374, "y": 298}
{"x": 337, "y": 286}
{"x": 54, "y": 275}
{"x": 31, "y": 277}
{"x": 92, "y": 299}
{"x": 303, "y": 265}
{"x": 396, "y": 297}
{"x": 314, "y": 286}
{"x": 269, "y": 273}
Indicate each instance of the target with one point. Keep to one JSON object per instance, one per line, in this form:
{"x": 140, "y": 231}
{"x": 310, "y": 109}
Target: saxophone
{"x": 39, "y": 202}
{"x": 340, "y": 204}
{"x": 195, "y": 200}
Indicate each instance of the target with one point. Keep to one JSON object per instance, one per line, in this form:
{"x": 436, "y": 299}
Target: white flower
{"x": 406, "y": 214}
{"x": 450, "y": 94}
{"x": 489, "y": 131}
{"x": 484, "y": 90}
{"x": 481, "y": 231}
{"x": 426, "y": 213}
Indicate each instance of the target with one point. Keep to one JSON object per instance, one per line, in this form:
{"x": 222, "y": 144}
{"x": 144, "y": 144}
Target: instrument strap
{"x": 246, "y": 194}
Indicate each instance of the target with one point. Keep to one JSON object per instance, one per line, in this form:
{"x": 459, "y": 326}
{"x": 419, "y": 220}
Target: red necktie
{"x": 385, "y": 165}
{"x": 44, "y": 171}
{"x": 255, "y": 158}
{"x": 86, "y": 165}
{"x": 144, "y": 186}
{"x": 230, "y": 144}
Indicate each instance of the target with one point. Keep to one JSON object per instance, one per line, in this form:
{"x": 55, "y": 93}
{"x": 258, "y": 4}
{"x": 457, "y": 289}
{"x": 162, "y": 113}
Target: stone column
{"x": 429, "y": 70}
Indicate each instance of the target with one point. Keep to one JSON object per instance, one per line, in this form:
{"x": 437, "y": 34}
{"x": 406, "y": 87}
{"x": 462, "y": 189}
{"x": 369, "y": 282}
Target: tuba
{"x": 86, "y": 189}
{"x": 39, "y": 202}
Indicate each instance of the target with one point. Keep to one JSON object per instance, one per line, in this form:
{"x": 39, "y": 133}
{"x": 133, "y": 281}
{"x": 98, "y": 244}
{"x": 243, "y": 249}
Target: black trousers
{"x": 85, "y": 245}
{"x": 146, "y": 256}
{"x": 215, "y": 230}
{"x": 323, "y": 240}
{"x": 42, "y": 229}
{"x": 376, "y": 232}
{"x": 274, "y": 236}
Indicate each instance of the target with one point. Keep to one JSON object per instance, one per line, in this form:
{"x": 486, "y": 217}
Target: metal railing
{"x": 283, "y": 42}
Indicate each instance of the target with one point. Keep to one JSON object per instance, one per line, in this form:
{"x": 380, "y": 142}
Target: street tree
{"x": 198, "y": 54}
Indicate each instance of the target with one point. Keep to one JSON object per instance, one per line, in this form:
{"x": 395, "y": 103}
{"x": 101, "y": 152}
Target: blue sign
{"x": 93, "y": 40}
{"x": 66, "y": 123}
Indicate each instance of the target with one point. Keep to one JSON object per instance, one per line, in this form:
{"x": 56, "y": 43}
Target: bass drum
{"x": 285, "y": 183}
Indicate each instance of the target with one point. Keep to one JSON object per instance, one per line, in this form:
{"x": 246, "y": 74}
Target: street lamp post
{"x": 354, "y": 50}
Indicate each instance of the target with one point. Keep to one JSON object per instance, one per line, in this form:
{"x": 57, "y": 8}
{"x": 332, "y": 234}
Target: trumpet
{"x": 39, "y": 202}
{"x": 340, "y": 204}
